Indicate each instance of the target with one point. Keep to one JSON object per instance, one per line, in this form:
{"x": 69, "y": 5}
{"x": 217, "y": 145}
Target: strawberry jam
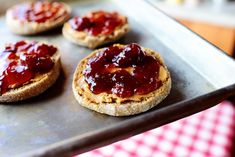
{"x": 40, "y": 11}
{"x": 20, "y": 62}
{"x": 123, "y": 71}
{"x": 96, "y": 23}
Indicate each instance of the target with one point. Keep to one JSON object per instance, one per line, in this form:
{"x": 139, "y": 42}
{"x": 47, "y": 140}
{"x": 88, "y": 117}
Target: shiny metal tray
{"x": 54, "y": 124}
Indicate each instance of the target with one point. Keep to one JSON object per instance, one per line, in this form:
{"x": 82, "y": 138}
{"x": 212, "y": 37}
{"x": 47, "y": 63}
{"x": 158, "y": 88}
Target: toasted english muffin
{"x": 38, "y": 20}
{"x": 87, "y": 39}
{"x": 111, "y": 104}
{"x": 36, "y": 85}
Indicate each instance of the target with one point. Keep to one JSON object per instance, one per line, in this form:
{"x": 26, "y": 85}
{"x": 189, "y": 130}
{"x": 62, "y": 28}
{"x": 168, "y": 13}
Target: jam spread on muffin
{"x": 22, "y": 61}
{"x": 40, "y": 11}
{"x": 98, "y": 23}
{"x": 123, "y": 71}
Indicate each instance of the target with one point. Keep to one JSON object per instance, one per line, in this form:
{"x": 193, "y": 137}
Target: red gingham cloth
{"x": 208, "y": 133}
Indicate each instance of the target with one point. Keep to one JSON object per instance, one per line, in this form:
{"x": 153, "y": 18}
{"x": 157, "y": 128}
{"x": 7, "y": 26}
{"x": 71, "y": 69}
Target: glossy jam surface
{"x": 123, "y": 71}
{"x": 21, "y": 61}
{"x": 99, "y": 22}
{"x": 40, "y": 11}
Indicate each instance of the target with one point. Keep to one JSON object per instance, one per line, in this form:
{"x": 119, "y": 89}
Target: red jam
{"x": 98, "y": 22}
{"x": 21, "y": 61}
{"x": 122, "y": 71}
{"x": 40, "y": 11}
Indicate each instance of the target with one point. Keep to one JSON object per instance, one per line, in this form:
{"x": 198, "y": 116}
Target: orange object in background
{"x": 220, "y": 36}
{"x": 211, "y": 19}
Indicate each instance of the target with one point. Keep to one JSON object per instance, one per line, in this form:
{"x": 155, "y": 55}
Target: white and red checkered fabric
{"x": 208, "y": 133}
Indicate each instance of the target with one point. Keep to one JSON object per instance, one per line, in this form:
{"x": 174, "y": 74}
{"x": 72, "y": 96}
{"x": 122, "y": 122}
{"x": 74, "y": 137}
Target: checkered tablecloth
{"x": 208, "y": 133}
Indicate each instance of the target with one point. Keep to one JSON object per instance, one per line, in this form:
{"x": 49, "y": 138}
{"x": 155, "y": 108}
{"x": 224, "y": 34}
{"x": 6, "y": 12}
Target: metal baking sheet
{"x": 54, "y": 124}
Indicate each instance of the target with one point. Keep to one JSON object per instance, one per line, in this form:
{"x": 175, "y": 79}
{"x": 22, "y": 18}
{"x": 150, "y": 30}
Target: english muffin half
{"x": 121, "y": 80}
{"x": 35, "y": 17}
{"x": 27, "y": 69}
{"x": 96, "y": 28}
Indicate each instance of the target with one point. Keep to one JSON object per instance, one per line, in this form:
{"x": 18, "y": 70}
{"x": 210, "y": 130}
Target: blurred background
{"x": 212, "y": 19}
